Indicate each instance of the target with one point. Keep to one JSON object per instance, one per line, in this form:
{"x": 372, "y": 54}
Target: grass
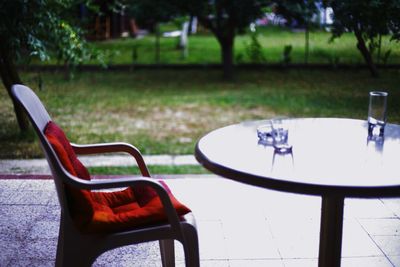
{"x": 204, "y": 48}
{"x": 166, "y": 112}
{"x": 159, "y": 169}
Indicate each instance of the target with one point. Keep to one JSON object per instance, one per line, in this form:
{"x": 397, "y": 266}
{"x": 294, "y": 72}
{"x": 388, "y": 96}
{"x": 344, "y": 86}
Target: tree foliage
{"x": 149, "y": 13}
{"x": 35, "y": 28}
{"x": 368, "y": 20}
{"x": 301, "y": 11}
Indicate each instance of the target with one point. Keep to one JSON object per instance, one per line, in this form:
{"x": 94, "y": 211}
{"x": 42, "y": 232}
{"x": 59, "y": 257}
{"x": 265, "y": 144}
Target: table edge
{"x": 290, "y": 186}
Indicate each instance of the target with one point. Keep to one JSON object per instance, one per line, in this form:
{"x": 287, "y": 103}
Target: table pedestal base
{"x": 330, "y": 242}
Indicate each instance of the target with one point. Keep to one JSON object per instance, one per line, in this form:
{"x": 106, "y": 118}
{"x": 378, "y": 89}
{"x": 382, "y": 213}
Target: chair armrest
{"x": 169, "y": 209}
{"x": 112, "y": 148}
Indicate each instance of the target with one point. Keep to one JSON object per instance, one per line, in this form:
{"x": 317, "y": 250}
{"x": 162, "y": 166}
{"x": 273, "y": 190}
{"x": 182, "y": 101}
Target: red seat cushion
{"x": 107, "y": 211}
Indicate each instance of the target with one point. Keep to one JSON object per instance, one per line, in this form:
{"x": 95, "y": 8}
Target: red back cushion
{"x": 55, "y": 135}
{"x": 81, "y": 200}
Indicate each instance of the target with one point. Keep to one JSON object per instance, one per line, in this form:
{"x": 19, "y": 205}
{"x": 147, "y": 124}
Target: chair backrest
{"x": 39, "y": 118}
{"x": 32, "y": 105}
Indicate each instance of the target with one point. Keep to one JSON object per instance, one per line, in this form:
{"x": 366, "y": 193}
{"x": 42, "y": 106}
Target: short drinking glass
{"x": 264, "y": 133}
{"x": 377, "y": 113}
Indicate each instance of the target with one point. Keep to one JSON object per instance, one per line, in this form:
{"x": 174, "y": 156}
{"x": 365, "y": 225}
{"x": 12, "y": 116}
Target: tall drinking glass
{"x": 280, "y": 134}
{"x": 377, "y": 113}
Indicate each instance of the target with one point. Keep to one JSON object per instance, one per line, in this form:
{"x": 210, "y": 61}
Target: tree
{"x": 368, "y": 20}
{"x": 35, "y": 28}
{"x": 224, "y": 18}
{"x": 150, "y": 14}
{"x": 303, "y": 12}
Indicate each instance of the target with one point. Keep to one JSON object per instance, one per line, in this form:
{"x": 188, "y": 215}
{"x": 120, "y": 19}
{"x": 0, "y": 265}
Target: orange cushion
{"x": 107, "y": 211}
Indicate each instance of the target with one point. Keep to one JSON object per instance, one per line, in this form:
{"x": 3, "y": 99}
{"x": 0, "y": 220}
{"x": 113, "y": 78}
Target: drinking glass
{"x": 280, "y": 135}
{"x": 264, "y": 133}
{"x": 377, "y": 113}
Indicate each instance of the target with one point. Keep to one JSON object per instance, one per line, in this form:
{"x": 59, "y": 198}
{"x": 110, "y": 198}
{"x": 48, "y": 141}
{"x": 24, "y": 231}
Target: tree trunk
{"x": 378, "y": 59}
{"x": 225, "y": 35}
{"x": 307, "y": 43}
{"x": 9, "y": 76}
{"x": 366, "y": 53}
{"x": 227, "y": 61}
{"x": 157, "y": 43}
{"x": 226, "y": 43}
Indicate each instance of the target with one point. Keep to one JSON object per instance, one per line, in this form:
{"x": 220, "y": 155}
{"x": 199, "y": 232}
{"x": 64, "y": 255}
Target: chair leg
{"x": 167, "y": 251}
{"x": 60, "y": 247}
{"x": 191, "y": 247}
{"x": 77, "y": 255}
{"x": 73, "y": 250}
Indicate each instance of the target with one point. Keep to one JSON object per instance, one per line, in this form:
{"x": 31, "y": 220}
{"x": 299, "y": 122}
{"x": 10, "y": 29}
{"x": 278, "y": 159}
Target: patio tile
{"x": 6, "y": 196}
{"x": 50, "y": 213}
{"x": 366, "y": 208}
{"x": 118, "y": 263}
{"x": 206, "y": 263}
{"x": 8, "y": 250}
{"x": 211, "y": 241}
{"x": 15, "y": 220}
{"x": 296, "y": 238}
{"x": 300, "y": 262}
{"x": 213, "y": 263}
{"x": 252, "y": 248}
{"x": 13, "y": 232}
{"x": 249, "y": 239}
{"x": 366, "y": 262}
{"x": 179, "y": 253}
{"x": 289, "y": 206}
{"x": 395, "y": 260}
{"x": 41, "y": 249}
{"x": 239, "y": 225}
{"x": 144, "y": 254}
{"x": 390, "y": 245}
{"x": 393, "y": 204}
{"x": 53, "y": 199}
{"x": 201, "y": 196}
{"x": 256, "y": 263}
{"x": 44, "y": 229}
{"x": 30, "y": 197}
{"x": 41, "y": 185}
{"x": 356, "y": 242}
{"x": 346, "y": 262}
{"x": 31, "y": 263}
{"x": 381, "y": 226}
{"x": 10, "y": 184}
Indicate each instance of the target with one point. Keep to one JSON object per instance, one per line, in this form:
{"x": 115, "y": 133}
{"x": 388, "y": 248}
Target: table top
{"x": 330, "y": 156}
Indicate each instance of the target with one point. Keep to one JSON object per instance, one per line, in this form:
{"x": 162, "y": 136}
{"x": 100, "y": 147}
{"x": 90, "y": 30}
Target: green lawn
{"x": 167, "y": 111}
{"x": 156, "y": 169}
{"x": 204, "y": 48}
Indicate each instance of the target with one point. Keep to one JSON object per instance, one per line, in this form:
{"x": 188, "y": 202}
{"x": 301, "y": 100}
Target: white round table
{"x": 332, "y": 158}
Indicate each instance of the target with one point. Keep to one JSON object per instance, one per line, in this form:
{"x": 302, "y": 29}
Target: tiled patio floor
{"x": 238, "y": 225}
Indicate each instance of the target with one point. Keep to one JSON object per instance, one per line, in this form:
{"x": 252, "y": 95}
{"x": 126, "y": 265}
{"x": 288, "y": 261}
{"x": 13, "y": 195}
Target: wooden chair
{"x": 76, "y": 248}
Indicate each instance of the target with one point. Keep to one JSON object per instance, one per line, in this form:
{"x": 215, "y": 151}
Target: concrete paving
{"x": 239, "y": 225}
{"x": 39, "y": 166}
